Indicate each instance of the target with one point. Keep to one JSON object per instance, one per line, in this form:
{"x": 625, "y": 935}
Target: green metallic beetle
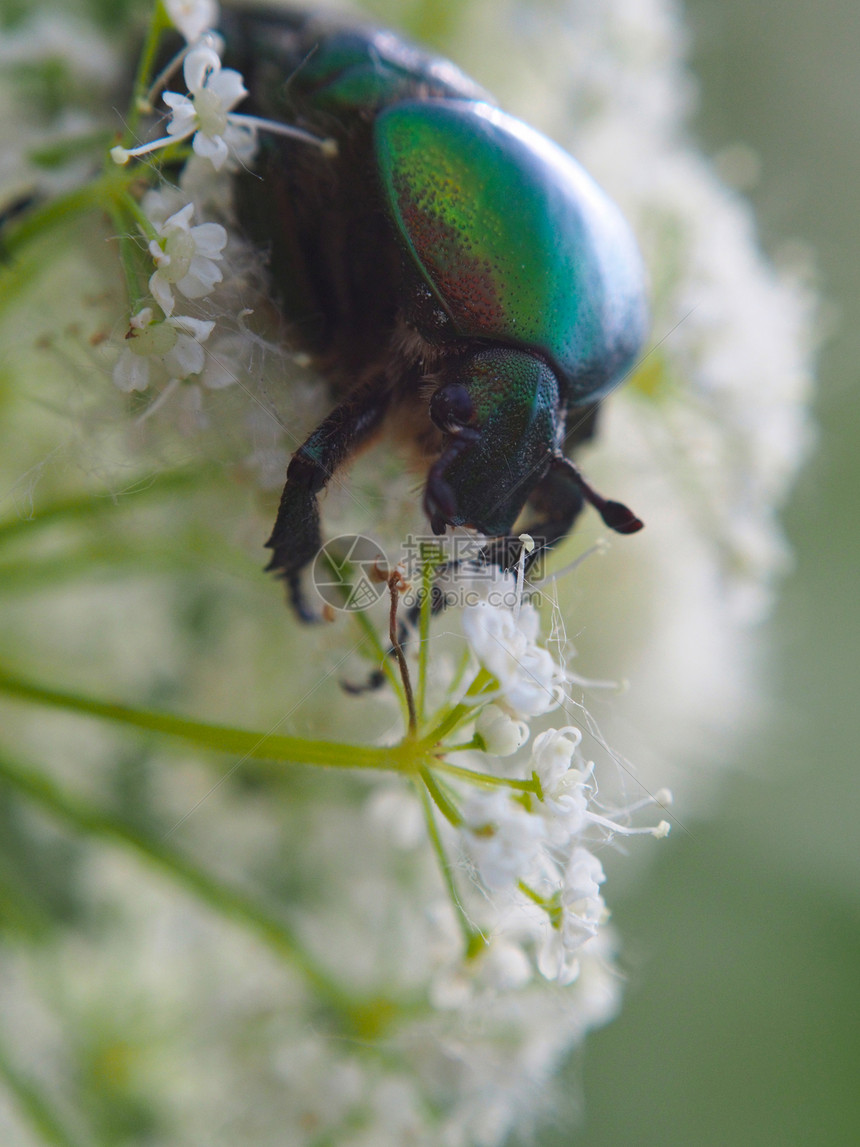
{"x": 450, "y": 268}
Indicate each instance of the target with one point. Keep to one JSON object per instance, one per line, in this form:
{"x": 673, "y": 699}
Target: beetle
{"x": 450, "y": 269}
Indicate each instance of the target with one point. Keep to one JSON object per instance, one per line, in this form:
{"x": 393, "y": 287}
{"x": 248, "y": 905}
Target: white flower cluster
{"x": 170, "y": 347}
{"x": 506, "y": 645}
{"x": 529, "y": 849}
{"x": 188, "y": 259}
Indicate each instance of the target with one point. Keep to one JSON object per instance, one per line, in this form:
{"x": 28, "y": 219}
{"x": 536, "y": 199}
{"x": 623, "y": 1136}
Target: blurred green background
{"x": 742, "y": 1018}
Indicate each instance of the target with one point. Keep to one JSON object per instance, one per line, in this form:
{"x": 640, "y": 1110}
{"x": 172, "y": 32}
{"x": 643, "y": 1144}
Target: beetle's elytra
{"x": 449, "y": 257}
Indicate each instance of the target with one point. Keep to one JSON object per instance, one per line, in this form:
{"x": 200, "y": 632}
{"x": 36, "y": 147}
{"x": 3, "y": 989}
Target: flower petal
{"x": 160, "y": 290}
{"x": 192, "y": 17}
{"x": 229, "y": 87}
{"x": 131, "y": 372}
{"x": 184, "y": 118}
{"x": 201, "y": 278}
{"x": 201, "y": 64}
{"x": 199, "y": 329}
{"x": 212, "y": 148}
{"x": 210, "y": 239}
{"x": 186, "y": 358}
{"x": 179, "y": 221}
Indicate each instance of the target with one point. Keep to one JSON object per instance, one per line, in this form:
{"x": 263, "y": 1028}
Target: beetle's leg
{"x": 296, "y": 537}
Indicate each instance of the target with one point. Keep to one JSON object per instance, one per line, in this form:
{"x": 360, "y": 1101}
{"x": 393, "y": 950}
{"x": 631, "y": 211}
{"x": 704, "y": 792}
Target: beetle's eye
{"x": 451, "y": 407}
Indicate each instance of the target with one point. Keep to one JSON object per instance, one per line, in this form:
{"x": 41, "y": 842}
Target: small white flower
{"x": 502, "y": 838}
{"x": 552, "y": 755}
{"x": 185, "y": 257}
{"x": 204, "y": 113}
{"x": 222, "y": 367}
{"x": 505, "y": 966}
{"x": 213, "y": 93}
{"x": 192, "y": 17}
{"x": 582, "y": 913}
{"x": 207, "y": 115}
{"x": 174, "y": 343}
{"x": 506, "y": 645}
{"x": 566, "y": 790}
{"x": 501, "y": 734}
{"x": 582, "y": 904}
{"x": 196, "y": 178}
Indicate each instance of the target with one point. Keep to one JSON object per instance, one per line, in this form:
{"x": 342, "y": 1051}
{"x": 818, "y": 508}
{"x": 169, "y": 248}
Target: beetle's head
{"x": 499, "y": 409}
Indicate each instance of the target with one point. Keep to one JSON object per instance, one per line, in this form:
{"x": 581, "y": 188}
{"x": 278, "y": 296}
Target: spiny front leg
{"x": 296, "y": 538}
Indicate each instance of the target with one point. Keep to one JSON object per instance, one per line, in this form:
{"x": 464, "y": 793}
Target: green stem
{"x": 397, "y": 649}
{"x": 551, "y": 905}
{"x": 35, "y": 1106}
{"x": 226, "y": 901}
{"x": 238, "y": 742}
{"x": 535, "y": 897}
{"x": 471, "y": 936}
{"x": 159, "y": 23}
{"x": 380, "y": 653}
{"x": 483, "y": 681}
{"x": 129, "y": 258}
{"x": 97, "y": 196}
{"x": 440, "y": 798}
{"x": 128, "y": 203}
{"x": 383, "y": 661}
{"x": 485, "y": 778}
{"x": 103, "y": 562}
